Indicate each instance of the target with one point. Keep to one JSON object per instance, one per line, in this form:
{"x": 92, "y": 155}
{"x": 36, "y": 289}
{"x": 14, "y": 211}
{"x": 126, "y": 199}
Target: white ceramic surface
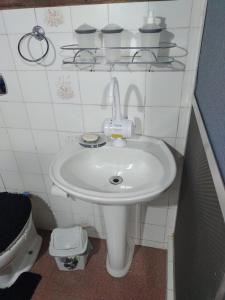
{"x": 145, "y": 164}
{"x": 147, "y": 168}
{"x": 115, "y": 175}
{"x": 20, "y": 255}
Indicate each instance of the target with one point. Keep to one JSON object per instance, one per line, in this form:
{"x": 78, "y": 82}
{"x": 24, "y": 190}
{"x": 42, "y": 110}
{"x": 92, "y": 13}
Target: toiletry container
{"x": 150, "y": 37}
{"x": 86, "y": 37}
{"x": 112, "y": 38}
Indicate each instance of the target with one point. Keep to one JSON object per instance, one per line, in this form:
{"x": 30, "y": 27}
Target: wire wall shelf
{"x": 130, "y": 58}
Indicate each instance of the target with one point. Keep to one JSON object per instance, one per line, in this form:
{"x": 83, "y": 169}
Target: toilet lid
{"x": 15, "y": 210}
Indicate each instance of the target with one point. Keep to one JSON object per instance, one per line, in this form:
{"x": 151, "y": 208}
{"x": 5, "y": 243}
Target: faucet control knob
{"x": 118, "y": 128}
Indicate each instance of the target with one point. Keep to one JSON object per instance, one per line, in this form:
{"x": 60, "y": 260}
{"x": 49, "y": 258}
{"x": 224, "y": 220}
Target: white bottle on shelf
{"x": 86, "y": 37}
{"x": 112, "y": 38}
{"x": 150, "y": 37}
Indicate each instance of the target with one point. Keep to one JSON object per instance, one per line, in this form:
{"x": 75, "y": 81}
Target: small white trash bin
{"x": 70, "y": 248}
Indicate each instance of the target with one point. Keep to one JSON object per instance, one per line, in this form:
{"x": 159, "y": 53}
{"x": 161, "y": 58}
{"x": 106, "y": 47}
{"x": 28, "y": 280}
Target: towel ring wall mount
{"x": 39, "y": 34}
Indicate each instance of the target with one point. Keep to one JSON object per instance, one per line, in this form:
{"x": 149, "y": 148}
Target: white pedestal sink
{"x": 115, "y": 177}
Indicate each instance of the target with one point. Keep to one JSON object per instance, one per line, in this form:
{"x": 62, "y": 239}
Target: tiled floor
{"x": 146, "y": 279}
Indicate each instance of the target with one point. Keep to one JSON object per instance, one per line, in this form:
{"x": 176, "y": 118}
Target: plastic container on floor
{"x": 70, "y": 248}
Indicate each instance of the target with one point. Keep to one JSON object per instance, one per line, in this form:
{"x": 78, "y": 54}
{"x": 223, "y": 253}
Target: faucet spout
{"x": 114, "y": 96}
{"x": 117, "y": 128}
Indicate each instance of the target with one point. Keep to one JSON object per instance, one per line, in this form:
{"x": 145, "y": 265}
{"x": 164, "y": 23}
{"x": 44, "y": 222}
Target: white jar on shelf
{"x": 150, "y": 37}
{"x": 112, "y": 38}
{"x": 86, "y": 37}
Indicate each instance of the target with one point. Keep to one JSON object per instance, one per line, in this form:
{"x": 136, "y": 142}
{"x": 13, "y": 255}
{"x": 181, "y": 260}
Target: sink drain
{"x": 115, "y": 180}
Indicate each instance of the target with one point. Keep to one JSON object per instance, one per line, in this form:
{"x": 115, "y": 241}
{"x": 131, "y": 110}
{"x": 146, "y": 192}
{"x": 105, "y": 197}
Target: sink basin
{"x": 115, "y": 177}
{"x": 146, "y": 167}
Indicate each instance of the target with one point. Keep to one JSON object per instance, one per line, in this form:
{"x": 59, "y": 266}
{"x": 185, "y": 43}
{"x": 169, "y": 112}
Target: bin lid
{"x": 68, "y": 241}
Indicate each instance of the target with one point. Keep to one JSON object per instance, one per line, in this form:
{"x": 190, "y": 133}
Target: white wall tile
{"x": 34, "y": 86}
{"x": 27, "y": 162}
{"x": 170, "y": 284}
{"x": 21, "y": 140}
{"x": 173, "y": 13}
{"x": 128, "y": 15}
{"x": 137, "y": 115}
{"x": 85, "y": 220}
{"x": 153, "y": 244}
{"x": 2, "y": 122}
{"x": 6, "y": 59}
{"x": 2, "y": 187}
{"x": 198, "y": 12}
{"x": 48, "y": 183}
{"x": 94, "y": 116}
{"x": 132, "y": 87}
{"x": 99, "y": 225}
{"x": 19, "y": 20}
{"x": 163, "y": 88}
{"x": 33, "y": 182}
{"x": 195, "y": 35}
{"x": 170, "y": 295}
{"x": 7, "y": 161}
{"x": 154, "y": 215}
{"x": 41, "y": 116}
{"x": 188, "y": 88}
{"x": 64, "y": 87}
{"x": 68, "y": 117}
{"x": 53, "y": 60}
{"x": 68, "y": 138}
{"x": 64, "y": 219}
{"x": 134, "y": 230}
{"x": 13, "y": 89}
{"x": 94, "y": 15}
{"x": 44, "y": 219}
{"x": 34, "y": 48}
{"x": 54, "y": 19}
{"x": 60, "y": 203}
{"x": 40, "y": 200}
{"x": 12, "y": 180}
{"x": 180, "y": 145}
{"x": 155, "y": 212}
{"x": 45, "y": 161}
{"x": 88, "y": 83}
{"x": 183, "y": 124}
{"x": 152, "y": 232}
{"x": 161, "y": 121}
{"x": 4, "y": 138}
{"x": 2, "y": 25}
{"x": 15, "y": 114}
{"x": 98, "y": 210}
{"x": 46, "y": 141}
{"x": 171, "y": 217}
{"x": 174, "y": 197}
{"x": 170, "y": 141}
{"x": 179, "y": 36}
{"x": 82, "y": 207}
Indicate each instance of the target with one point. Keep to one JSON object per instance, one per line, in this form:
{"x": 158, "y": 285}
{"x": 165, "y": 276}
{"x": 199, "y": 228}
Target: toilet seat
{"x": 19, "y": 241}
{"x": 15, "y": 210}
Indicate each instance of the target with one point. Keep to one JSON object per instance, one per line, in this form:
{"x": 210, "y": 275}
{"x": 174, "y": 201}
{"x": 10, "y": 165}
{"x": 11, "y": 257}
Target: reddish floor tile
{"x": 146, "y": 279}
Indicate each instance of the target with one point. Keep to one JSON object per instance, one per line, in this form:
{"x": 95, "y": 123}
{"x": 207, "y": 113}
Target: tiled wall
{"x": 48, "y": 106}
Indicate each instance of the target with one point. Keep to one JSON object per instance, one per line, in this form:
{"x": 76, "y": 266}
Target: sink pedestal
{"x": 120, "y": 249}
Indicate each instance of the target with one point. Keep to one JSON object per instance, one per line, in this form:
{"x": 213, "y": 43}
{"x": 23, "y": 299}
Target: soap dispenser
{"x": 150, "y": 37}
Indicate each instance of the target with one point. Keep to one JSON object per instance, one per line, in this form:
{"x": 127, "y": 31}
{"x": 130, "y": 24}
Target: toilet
{"x": 19, "y": 241}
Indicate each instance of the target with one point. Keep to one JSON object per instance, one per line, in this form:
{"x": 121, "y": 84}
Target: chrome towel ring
{"x": 39, "y": 34}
